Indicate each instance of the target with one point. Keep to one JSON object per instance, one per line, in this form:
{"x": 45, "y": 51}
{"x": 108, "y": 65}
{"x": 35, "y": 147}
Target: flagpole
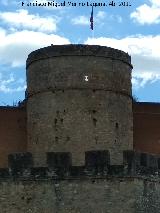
{"x": 91, "y": 23}
{"x": 93, "y": 33}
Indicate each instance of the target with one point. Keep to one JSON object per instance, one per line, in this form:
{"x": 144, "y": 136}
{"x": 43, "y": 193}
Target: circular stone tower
{"x": 79, "y": 99}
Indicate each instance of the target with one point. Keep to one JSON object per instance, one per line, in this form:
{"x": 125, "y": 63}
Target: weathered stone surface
{"x": 79, "y": 121}
{"x": 66, "y": 113}
{"x": 79, "y": 50}
{"x": 80, "y": 196}
{"x": 68, "y": 72}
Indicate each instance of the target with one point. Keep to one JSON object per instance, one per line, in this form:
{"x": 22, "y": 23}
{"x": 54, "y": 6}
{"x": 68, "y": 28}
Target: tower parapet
{"x": 97, "y": 165}
{"x": 79, "y": 100}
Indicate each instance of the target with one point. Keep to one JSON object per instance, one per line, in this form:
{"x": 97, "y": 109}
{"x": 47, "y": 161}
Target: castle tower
{"x": 79, "y": 111}
{"x": 79, "y": 100}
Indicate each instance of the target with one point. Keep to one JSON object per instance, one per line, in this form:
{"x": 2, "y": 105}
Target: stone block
{"x": 59, "y": 160}
{"x": 97, "y": 161}
{"x": 19, "y": 162}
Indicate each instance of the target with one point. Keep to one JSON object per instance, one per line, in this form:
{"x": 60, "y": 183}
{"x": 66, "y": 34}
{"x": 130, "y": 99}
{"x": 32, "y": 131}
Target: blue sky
{"x": 134, "y": 29}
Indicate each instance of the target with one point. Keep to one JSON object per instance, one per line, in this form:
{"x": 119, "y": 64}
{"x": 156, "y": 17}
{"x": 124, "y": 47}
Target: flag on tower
{"x": 91, "y": 19}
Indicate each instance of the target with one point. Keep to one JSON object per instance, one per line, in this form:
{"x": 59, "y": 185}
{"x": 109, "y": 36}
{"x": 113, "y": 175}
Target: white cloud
{"x": 2, "y": 33}
{"x": 7, "y": 87}
{"x": 155, "y": 3}
{"x": 145, "y": 55}
{"x": 99, "y": 19}
{"x": 119, "y": 19}
{"x": 140, "y": 79}
{"x": 85, "y": 20}
{"x": 15, "y": 47}
{"x": 101, "y": 15}
{"x": 22, "y": 19}
{"x": 141, "y": 45}
{"x": 146, "y": 14}
{"x": 80, "y": 20}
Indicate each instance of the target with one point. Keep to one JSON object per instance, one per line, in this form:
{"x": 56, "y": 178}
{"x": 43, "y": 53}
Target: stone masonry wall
{"x": 113, "y": 195}
{"x": 96, "y": 187}
{"x": 76, "y": 121}
{"x": 65, "y": 112}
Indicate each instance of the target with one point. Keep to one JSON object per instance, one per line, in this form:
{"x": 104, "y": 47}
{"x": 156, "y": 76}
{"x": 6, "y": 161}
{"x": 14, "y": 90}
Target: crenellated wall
{"x": 96, "y": 187}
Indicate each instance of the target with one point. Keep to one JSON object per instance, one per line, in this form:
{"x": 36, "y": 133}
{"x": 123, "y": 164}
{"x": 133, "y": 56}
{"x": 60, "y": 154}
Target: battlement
{"x": 97, "y": 165}
{"x": 78, "y": 50}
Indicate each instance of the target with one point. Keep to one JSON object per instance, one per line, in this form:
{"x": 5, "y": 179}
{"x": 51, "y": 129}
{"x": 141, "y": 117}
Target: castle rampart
{"x": 96, "y": 187}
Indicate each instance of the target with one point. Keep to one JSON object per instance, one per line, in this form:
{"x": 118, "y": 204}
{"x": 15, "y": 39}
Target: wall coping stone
{"x": 78, "y": 50}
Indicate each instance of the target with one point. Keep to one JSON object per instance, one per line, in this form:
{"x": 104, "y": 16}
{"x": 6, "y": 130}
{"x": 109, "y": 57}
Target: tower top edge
{"x": 78, "y": 50}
